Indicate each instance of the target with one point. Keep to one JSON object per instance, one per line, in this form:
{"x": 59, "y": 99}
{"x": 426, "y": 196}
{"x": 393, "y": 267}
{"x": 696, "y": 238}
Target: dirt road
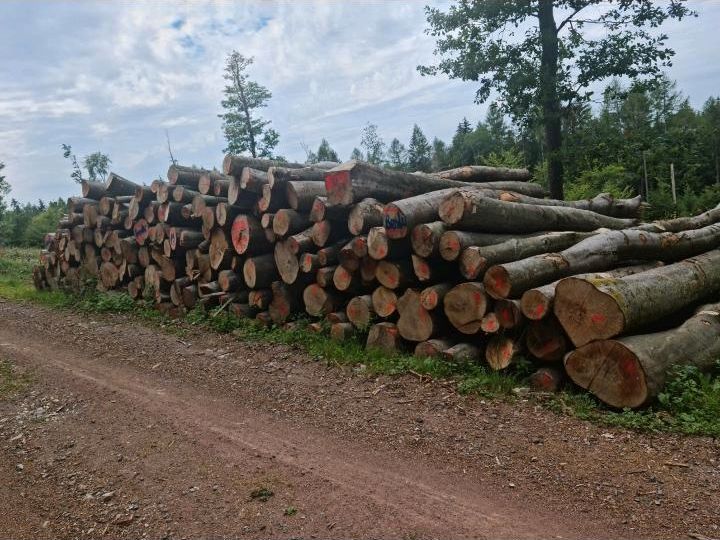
{"x": 127, "y": 431}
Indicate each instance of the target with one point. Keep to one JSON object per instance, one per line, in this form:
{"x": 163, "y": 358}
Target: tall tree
{"x": 357, "y": 154}
{"x": 4, "y": 190}
{"x": 96, "y": 164}
{"x": 419, "y": 154}
{"x": 373, "y": 144}
{"x": 244, "y": 130}
{"x": 325, "y": 152}
{"x": 397, "y": 155}
{"x": 541, "y": 65}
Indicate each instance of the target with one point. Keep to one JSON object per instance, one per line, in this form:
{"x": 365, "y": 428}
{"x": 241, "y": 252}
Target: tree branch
{"x": 569, "y": 18}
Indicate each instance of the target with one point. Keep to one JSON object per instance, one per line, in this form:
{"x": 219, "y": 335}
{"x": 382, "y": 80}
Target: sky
{"x": 114, "y": 76}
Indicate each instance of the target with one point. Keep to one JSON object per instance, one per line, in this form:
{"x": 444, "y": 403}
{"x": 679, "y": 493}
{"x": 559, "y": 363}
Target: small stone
{"x": 19, "y": 467}
{"x": 105, "y": 497}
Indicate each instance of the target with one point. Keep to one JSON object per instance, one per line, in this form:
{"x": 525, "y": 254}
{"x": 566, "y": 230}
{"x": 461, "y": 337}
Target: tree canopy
{"x": 244, "y": 129}
{"x": 540, "y": 58}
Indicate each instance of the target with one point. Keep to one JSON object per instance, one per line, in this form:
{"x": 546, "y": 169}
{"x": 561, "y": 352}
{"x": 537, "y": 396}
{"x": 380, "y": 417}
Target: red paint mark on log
{"x": 597, "y": 318}
{"x": 337, "y": 182}
{"x": 539, "y": 310}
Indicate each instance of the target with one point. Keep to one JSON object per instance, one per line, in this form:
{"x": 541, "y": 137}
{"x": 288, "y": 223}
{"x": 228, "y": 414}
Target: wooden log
{"x": 400, "y": 217}
{"x": 320, "y": 301}
{"x": 465, "y": 305}
{"x": 470, "y": 210}
{"x": 537, "y": 303}
{"x": 116, "y": 186}
{"x": 260, "y": 271}
{"x": 330, "y": 255}
{"x": 201, "y": 202}
{"x": 430, "y": 271}
{"x": 279, "y": 176}
{"x": 93, "y": 190}
{"x": 241, "y": 310}
{"x": 345, "y": 280}
{"x": 287, "y": 222}
{"x": 176, "y": 214}
{"x": 321, "y": 210}
{"x": 490, "y": 323}
{"x": 425, "y": 238}
{"x": 233, "y": 165}
{"x": 546, "y": 379}
{"x": 183, "y": 194}
{"x": 360, "y": 311}
{"x": 239, "y": 197}
{"x": 381, "y": 247}
{"x": 453, "y": 243}
{"x": 415, "y": 322}
{"x": 509, "y": 313}
{"x": 253, "y": 180}
{"x": 545, "y": 340}
{"x": 631, "y": 371}
{"x": 341, "y": 331}
{"x": 395, "y": 274}
{"x": 384, "y": 336}
{"x": 359, "y": 246}
{"x": 462, "y": 353}
{"x": 501, "y": 351}
{"x": 230, "y": 281}
{"x": 141, "y": 229}
{"x": 365, "y": 215}
{"x": 301, "y": 195}
{"x": 384, "y": 302}
{"x": 248, "y": 235}
{"x": 432, "y": 348}
{"x": 286, "y": 301}
{"x": 356, "y": 180}
{"x": 185, "y": 176}
{"x": 263, "y": 318}
{"x": 286, "y": 261}
{"x": 432, "y": 297}
{"x": 324, "y": 276}
{"x": 225, "y": 213}
{"x": 589, "y": 310}
{"x": 368, "y": 270}
{"x": 260, "y": 298}
{"x": 597, "y": 254}
{"x": 486, "y": 174}
{"x": 604, "y": 203}
{"x": 220, "y": 186}
{"x": 684, "y": 223}
{"x": 336, "y": 317}
{"x": 347, "y": 257}
{"x": 309, "y": 262}
{"x": 207, "y": 181}
{"x": 187, "y": 238}
{"x": 76, "y": 204}
{"x": 325, "y": 232}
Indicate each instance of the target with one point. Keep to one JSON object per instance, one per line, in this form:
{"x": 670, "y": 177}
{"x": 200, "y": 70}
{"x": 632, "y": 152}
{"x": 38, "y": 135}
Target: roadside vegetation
{"x": 689, "y": 405}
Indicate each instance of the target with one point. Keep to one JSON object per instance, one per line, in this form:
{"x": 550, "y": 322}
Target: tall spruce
{"x": 397, "y": 155}
{"x": 325, "y": 152}
{"x": 373, "y": 144}
{"x": 244, "y": 129}
{"x": 419, "y": 153}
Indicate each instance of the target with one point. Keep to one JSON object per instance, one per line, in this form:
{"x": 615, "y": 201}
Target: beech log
{"x": 465, "y": 305}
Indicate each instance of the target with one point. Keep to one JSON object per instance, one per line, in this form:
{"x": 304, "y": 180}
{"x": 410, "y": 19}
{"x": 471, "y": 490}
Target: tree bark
{"x": 453, "y": 243}
{"x": 537, "y": 303}
{"x": 469, "y": 210}
{"x": 279, "y": 176}
{"x": 482, "y": 173}
{"x": 287, "y": 222}
{"x": 604, "y": 203}
{"x": 475, "y": 260}
{"x": 432, "y": 348}
{"x": 384, "y": 336}
{"x": 117, "y": 186}
{"x": 631, "y": 371}
{"x": 550, "y": 101}
{"x": 461, "y": 353}
{"x": 260, "y": 272}
{"x": 93, "y": 190}
{"x": 301, "y": 195}
{"x": 321, "y": 210}
{"x": 365, "y": 215}
{"x": 233, "y": 165}
{"x": 425, "y": 238}
{"x": 602, "y": 309}
{"x": 341, "y": 331}
{"x": 253, "y": 180}
{"x": 545, "y": 340}
{"x": 356, "y": 180}
{"x": 597, "y": 254}
{"x": 185, "y": 176}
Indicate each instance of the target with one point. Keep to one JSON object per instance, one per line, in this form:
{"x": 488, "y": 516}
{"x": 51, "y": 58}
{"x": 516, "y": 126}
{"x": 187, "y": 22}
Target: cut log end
{"x": 609, "y": 370}
{"x": 339, "y": 187}
{"x": 585, "y": 312}
{"x": 535, "y": 304}
{"x": 497, "y": 282}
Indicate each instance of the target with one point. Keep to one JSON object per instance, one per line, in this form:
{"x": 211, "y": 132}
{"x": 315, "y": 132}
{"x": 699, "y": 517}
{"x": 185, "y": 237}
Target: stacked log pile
{"x": 471, "y": 265}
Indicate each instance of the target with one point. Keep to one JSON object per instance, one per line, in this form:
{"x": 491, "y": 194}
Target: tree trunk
{"x": 501, "y": 350}
{"x": 301, "y": 195}
{"x": 469, "y": 210}
{"x": 233, "y": 165}
{"x": 321, "y": 210}
{"x": 117, "y": 186}
{"x": 360, "y": 311}
{"x": 93, "y": 190}
{"x": 545, "y": 340}
{"x": 475, "y": 261}
{"x": 395, "y": 274}
{"x": 279, "y": 176}
{"x": 324, "y": 276}
{"x": 425, "y": 238}
{"x": 433, "y": 296}
{"x": 253, "y": 180}
{"x": 509, "y": 313}
{"x": 546, "y": 379}
{"x": 481, "y": 173}
{"x": 220, "y": 249}
{"x": 465, "y": 305}
{"x": 604, "y": 309}
{"x": 260, "y": 272}
{"x": 604, "y": 203}
{"x": 341, "y": 331}
{"x": 286, "y": 262}
{"x": 550, "y": 101}
{"x": 381, "y": 247}
{"x": 248, "y": 235}
{"x": 684, "y": 223}
{"x": 415, "y": 322}
{"x": 490, "y": 323}
{"x": 384, "y": 336}
{"x": 452, "y": 243}
{"x": 630, "y": 371}
{"x": 356, "y": 180}
{"x": 384, "y": 302}
{"x": 185, "y": 176}
{"x": 462, "y": 353}
{"x": 319, "y": 301}
{"x": 597, "y": 254}
{"x": 288, "y": 222}
{"x": 345, "y": 280}
{"x": 364, "y": 215}
{"x": 537, "y": 303}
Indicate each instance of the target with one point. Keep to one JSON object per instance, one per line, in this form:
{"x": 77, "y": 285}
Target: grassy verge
{"x": 690, "y": 403}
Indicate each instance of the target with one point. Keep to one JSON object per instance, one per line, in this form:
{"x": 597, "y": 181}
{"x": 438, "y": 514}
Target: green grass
{"x": 690, "y": 403}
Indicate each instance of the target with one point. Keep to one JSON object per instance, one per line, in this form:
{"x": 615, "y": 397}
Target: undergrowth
{"x": 689, "y": 404}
